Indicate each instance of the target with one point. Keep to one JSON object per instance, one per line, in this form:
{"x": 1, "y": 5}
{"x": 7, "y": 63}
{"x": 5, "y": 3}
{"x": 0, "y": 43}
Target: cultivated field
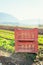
{"x": 7, "y": 40}
{"x": 7, "y": 43}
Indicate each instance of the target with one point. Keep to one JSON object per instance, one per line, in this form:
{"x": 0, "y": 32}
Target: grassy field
{"x": 7, "y": 40}
{"x": 7, "y": 34}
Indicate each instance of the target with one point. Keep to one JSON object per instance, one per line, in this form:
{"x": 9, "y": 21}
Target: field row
{"x": 40, "y": 39}
{"x": 7, "y": 44}
{"x": 7, "y": 34}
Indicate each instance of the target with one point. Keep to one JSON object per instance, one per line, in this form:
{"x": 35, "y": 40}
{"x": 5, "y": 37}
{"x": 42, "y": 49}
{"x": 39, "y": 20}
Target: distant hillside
{"x": 6, "y": 19}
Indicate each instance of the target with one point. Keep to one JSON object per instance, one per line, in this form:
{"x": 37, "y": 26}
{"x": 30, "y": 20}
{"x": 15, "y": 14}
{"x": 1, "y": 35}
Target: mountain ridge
{"x": 8, "y": 19}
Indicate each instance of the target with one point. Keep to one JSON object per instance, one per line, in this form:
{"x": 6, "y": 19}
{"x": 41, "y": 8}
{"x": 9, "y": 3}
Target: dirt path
{"x": 5, "y": 58}
{"x": 11, "y": 59}
{"x": 4, "y": 53}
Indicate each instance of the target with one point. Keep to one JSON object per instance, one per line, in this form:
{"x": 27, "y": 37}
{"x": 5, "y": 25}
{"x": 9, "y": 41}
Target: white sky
{"x": 23, "y": 9}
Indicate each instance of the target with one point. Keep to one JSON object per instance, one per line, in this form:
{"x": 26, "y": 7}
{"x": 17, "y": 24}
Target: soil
{"x": 7, "y": 58}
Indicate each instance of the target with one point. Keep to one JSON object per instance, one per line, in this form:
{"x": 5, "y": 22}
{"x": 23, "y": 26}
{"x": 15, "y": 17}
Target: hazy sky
{"x": 23, "y": 9}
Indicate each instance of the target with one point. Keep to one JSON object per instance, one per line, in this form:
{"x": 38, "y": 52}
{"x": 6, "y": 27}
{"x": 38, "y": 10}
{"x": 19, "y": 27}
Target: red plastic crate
{"x": 26, "y": 40}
